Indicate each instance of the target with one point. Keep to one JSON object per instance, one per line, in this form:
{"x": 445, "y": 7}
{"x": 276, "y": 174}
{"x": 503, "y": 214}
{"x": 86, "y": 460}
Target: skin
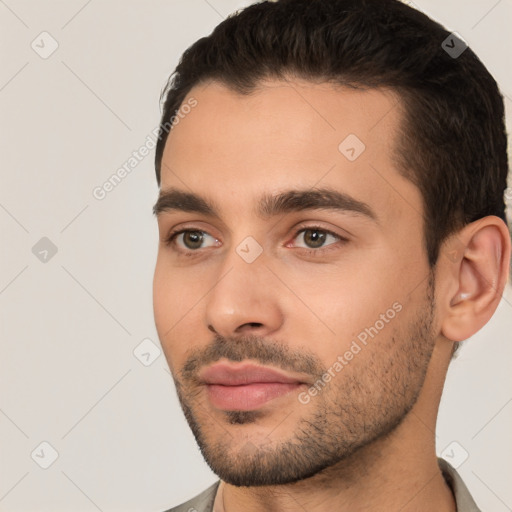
{"x": 370, "y": 431}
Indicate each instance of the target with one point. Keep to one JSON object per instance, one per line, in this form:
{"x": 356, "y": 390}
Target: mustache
{"x": 260, "y": 350}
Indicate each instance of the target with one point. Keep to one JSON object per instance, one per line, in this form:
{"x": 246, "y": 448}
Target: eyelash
{"x": 171, "y": 240}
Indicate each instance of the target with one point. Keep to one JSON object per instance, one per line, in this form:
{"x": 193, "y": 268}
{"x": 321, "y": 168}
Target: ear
{"x": 478, "y": 259}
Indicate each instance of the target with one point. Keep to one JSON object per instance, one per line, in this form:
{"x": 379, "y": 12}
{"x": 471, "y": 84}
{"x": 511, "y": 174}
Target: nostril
{"x": 248, "y": 326}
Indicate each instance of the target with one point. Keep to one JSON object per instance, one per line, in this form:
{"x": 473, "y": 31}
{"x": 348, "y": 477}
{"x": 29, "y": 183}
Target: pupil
{"x": 318, "y": 236}
{"x": 195, "y": 237}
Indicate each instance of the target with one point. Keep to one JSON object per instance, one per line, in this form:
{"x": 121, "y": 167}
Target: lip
{"x": 243, "y": 374}
{"x": 245, "y": 387}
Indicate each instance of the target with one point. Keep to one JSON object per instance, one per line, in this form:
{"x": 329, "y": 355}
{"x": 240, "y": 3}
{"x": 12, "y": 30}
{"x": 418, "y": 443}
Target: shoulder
{"x": 201, "y": 503}
{"x": 463, "y": 498}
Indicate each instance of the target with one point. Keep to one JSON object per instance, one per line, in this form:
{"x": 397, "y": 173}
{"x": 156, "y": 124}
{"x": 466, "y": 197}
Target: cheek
{"x": 169, "y": 300}
{"x": 357, "y": 311}
{"x": 346, "y": 298}
{"x": 172, "y": 288}
{"x": 176, "y": 292}
{"x": 160, "y": 298}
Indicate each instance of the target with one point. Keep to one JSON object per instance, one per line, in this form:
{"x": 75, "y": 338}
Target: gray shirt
{"x": 465, "y": 503}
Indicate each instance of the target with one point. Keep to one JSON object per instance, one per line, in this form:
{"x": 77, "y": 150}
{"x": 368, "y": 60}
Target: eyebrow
{"x": 269, "y": 205}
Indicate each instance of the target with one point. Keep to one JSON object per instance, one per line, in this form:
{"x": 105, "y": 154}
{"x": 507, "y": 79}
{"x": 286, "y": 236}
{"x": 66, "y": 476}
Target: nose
{"x": 244, "y": 299}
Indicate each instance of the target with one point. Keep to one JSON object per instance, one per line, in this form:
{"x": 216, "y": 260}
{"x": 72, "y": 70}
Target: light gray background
{"x": 69, "y": 326}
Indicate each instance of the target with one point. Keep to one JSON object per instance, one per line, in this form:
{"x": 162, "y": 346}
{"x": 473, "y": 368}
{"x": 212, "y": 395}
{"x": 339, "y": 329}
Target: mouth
{"x": 245, "y": 387}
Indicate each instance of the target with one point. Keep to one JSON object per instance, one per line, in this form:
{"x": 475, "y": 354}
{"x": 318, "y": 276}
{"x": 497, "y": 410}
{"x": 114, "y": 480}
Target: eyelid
{"x": 342, "y": 234}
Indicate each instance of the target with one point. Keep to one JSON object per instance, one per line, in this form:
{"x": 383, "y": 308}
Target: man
{"x": 332, "y": 225}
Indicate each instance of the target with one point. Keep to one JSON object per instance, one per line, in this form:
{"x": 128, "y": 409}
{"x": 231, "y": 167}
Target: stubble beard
{"x": 363, "y": 404}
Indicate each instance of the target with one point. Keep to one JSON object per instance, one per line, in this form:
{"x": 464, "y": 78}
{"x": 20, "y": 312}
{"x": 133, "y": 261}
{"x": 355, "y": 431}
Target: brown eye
{"x": 193, "y": 239}
{"x": 314, "y": 237}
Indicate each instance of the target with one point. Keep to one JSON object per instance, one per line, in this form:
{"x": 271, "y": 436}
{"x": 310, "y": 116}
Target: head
{"x": 341, "y": 177}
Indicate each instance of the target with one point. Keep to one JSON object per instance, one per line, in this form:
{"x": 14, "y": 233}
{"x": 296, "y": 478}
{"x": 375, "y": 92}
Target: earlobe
{"x": 480, "y": 275}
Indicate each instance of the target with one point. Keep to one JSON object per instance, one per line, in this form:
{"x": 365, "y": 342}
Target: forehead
{"x": 232, "y": 147}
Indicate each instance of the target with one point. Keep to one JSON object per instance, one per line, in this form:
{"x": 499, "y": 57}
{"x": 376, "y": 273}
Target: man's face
{"x": 337, "y": 300}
